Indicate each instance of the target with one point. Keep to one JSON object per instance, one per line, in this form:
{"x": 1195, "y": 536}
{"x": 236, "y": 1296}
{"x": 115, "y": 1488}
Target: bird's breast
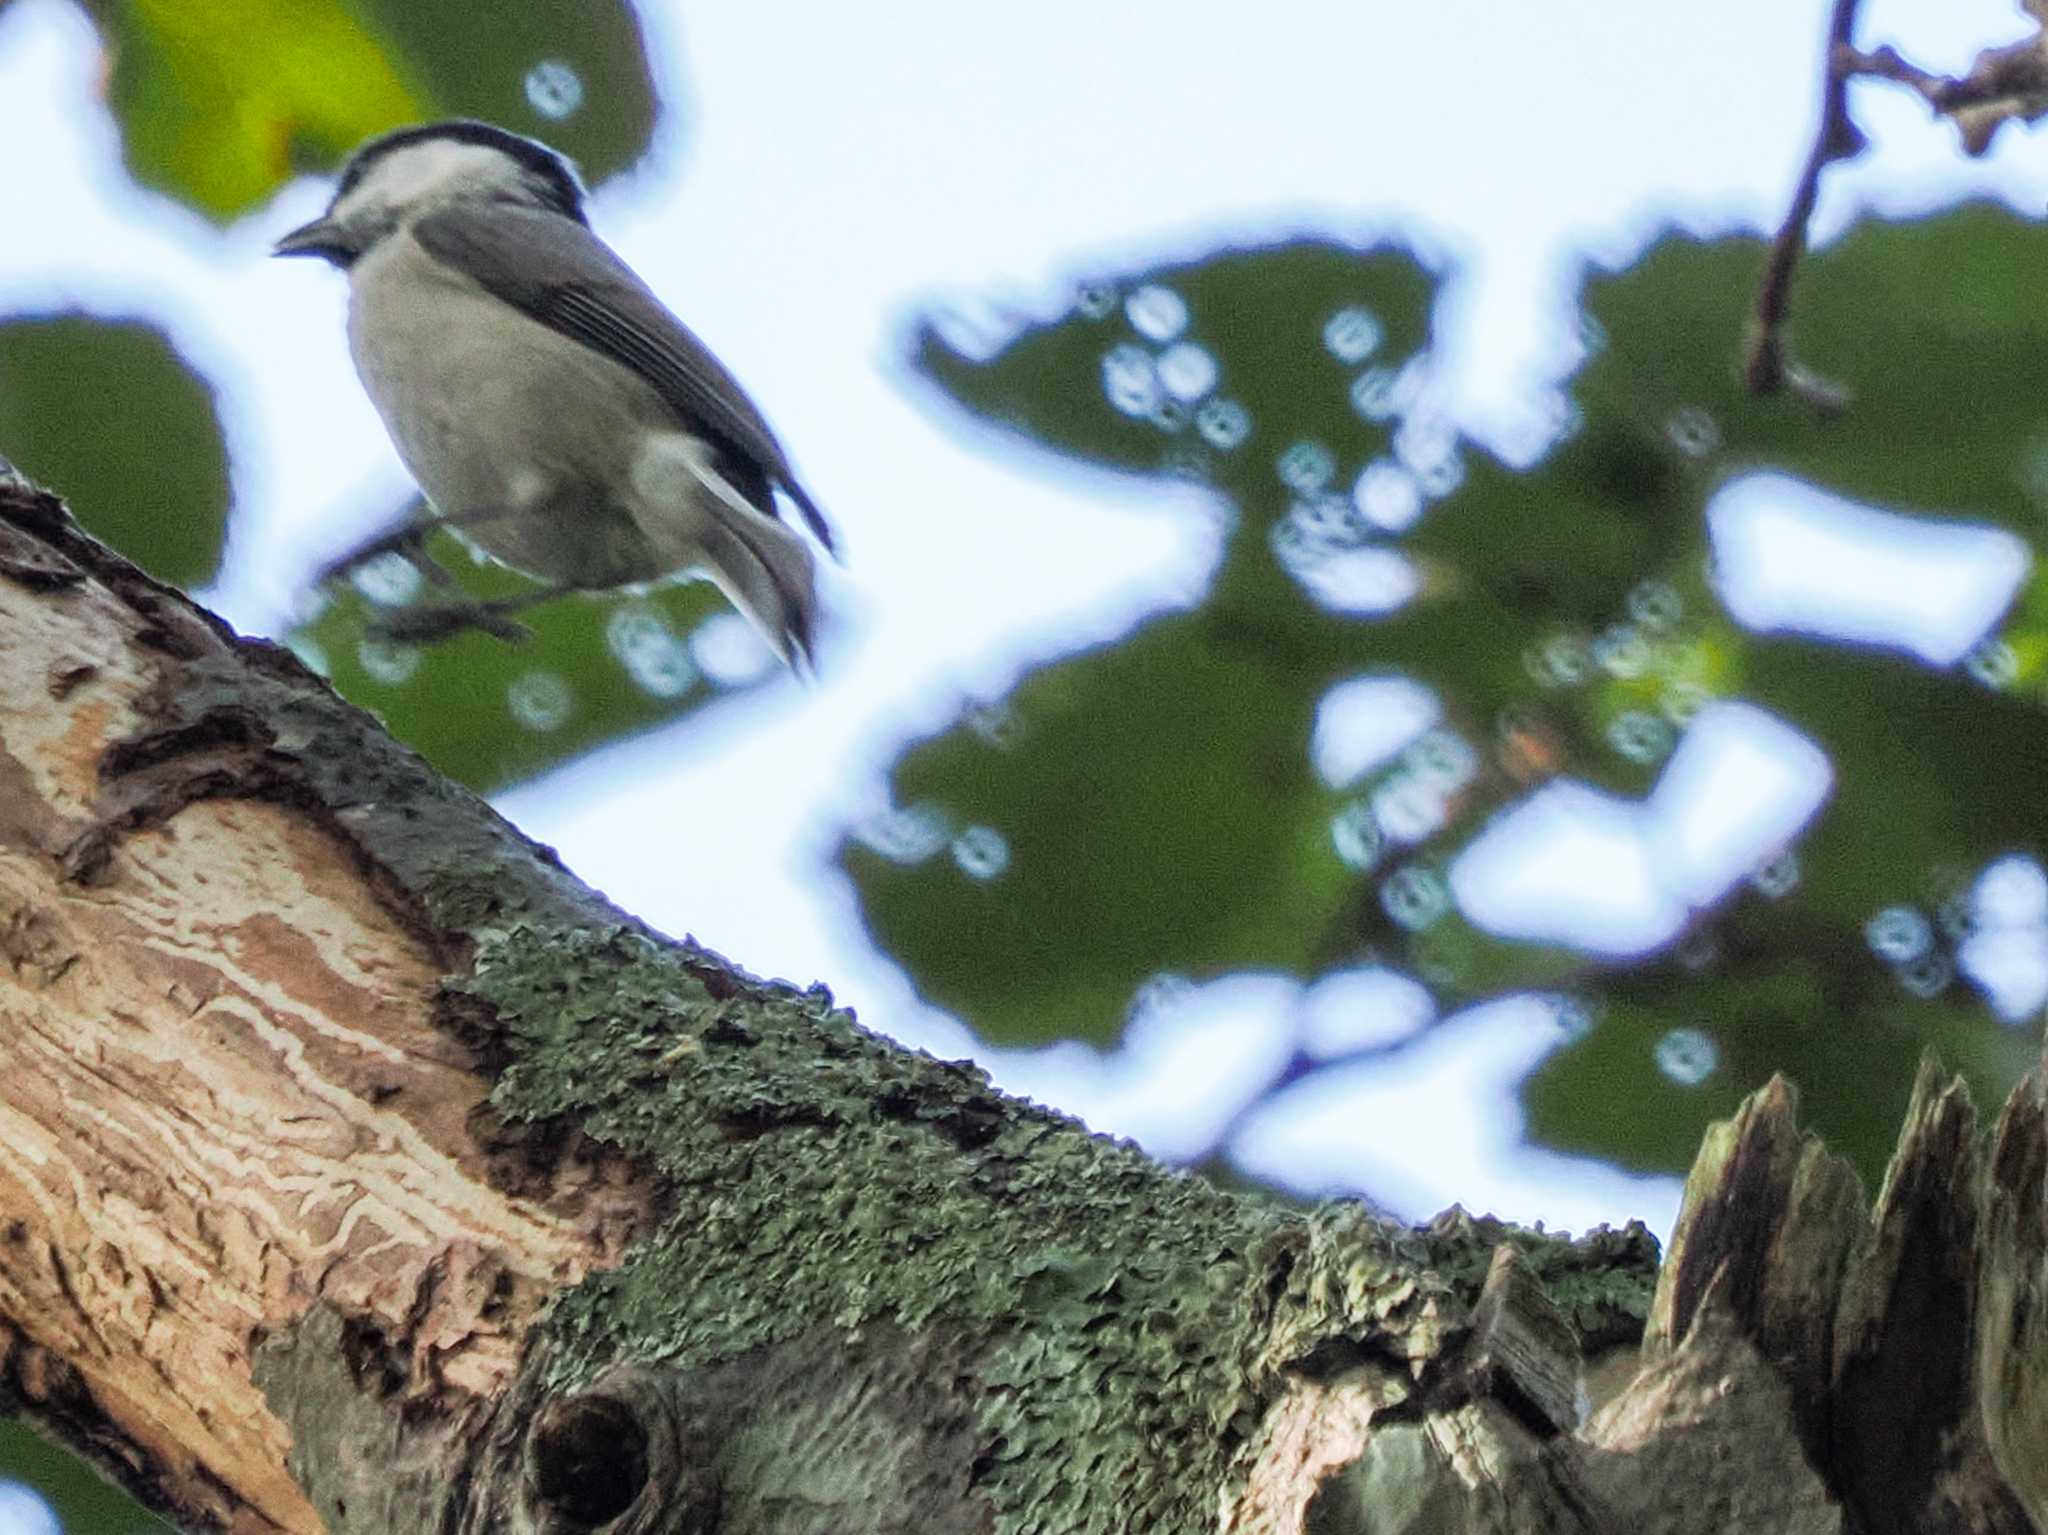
{"x": 492, "y": 410}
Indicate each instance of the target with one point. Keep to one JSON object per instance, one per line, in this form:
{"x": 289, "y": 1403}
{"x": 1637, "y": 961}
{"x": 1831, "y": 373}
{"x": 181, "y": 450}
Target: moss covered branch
{"x": 361, "y": 1170}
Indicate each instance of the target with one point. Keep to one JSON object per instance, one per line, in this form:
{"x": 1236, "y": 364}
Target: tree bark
{"x": 362, "y": 1171}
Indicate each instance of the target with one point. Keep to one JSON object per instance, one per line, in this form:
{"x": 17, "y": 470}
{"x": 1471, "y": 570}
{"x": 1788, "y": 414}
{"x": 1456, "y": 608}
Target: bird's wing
{"x": 561, "y": 274}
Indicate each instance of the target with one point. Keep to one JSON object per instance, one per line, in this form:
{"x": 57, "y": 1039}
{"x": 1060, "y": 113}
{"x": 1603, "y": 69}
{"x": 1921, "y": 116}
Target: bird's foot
{"x": 429, "y": 625}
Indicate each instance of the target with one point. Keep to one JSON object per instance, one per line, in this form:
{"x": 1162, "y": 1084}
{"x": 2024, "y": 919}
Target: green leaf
{"x": 1934, "y": 327}
{"x": 83, "y": 1499}
{"x": 1763, "y": 987}
{"x": 108, "y": 414}
{"x": 218, "y": 102}
{"x": 481, "y": 63}
{"x": 221, "y": 104}
{"x": 1155, "y": 797}
{"x": 1213, "y": 857}
{"x": 490, "y": 713}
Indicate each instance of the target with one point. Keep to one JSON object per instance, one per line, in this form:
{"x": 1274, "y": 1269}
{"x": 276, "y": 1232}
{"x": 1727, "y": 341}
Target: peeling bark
{"x": 361, "y": 1171}
{"x": 1911, "y": 1336}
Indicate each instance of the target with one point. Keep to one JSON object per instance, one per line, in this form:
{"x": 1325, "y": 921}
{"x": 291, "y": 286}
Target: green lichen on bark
{"x": 822, "y": 1177}
{"x": 825, "y": 1177}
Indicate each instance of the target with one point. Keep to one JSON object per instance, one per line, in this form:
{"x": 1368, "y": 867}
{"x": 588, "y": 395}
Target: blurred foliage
{"x": 1155, "y": 800}
{"x": 212, "y": 99}
{"x": 220, "y": 104}
{"x": 1155, "y": 804}
{"x": 521, "y": 63}
{"x": 489, "y": 713}
{"x": 109, "y": 411}
{"x": 84, "y": 1501}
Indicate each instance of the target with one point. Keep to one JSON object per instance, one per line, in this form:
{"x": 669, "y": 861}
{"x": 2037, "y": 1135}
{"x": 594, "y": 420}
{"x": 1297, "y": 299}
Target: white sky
{"x": 834, "y": 173}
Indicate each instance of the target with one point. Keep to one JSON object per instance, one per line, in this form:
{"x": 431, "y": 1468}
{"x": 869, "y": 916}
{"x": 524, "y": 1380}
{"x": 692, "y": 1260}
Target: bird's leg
{"x": 408, "y": 539}
{"x": 429, "y": 624}
{"x": 405, "y": 540}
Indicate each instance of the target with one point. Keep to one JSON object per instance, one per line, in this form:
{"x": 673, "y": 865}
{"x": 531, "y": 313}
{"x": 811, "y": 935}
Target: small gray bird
{"x": 545, "y": 400}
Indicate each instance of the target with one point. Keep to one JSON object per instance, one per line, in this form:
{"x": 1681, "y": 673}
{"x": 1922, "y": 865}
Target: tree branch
{"x": 360, "y": 1171}
{"x": 1768, "y": 366}
{"x": 2004, "y": 84}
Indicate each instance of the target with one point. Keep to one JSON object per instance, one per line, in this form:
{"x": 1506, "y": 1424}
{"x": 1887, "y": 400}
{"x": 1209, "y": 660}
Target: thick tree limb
{"x": 360, "y": 1170}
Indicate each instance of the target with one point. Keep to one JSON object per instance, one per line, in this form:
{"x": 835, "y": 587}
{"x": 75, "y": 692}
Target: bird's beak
{"x": 322, "y": 237}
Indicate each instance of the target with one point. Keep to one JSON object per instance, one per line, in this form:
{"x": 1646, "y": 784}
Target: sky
{"x": 823, "y": 182}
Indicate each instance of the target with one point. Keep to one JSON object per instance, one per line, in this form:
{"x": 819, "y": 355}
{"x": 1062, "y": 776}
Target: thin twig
{"x": 2005, "y": 84}
{"x": 1887, "y": 63}
{"x": 1768, "y": 368}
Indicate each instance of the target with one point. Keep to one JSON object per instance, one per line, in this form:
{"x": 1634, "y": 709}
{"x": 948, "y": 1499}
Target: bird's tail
{"x": 759, "y": 561}
{"x": 762, "y": 565}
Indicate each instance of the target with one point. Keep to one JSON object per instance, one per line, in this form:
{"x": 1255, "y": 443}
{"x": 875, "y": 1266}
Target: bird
{"x": 548, "y": 404}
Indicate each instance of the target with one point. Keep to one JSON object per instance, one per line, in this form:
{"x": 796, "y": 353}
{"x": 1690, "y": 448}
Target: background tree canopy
{"x": 1690, "y": 730}
{"x": 1159, "y": 803}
